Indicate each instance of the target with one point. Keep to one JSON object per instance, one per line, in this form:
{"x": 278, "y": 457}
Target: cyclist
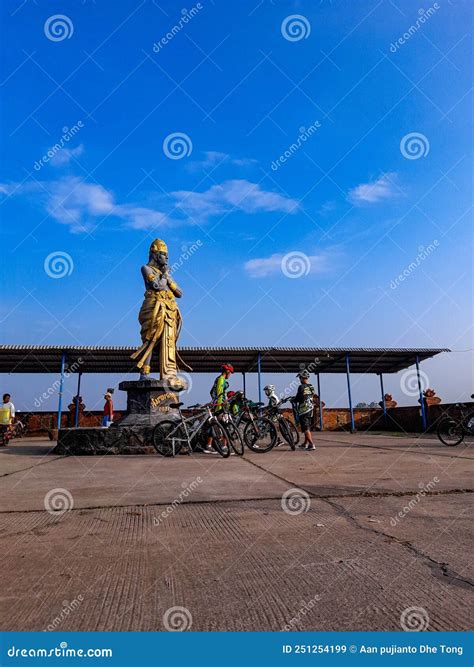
{"x": 7, "y": 414}
{"x": 273, "y": 400}
{"x": 235, "y": 400}
{"x": 219, "y": 397}
{"x": 304, "y": 406}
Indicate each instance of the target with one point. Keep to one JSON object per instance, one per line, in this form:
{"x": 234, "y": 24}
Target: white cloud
{"x": 262, "y": 267}
{"x": 375, "y": 191}
{"x": 215, "y": 158}
{"x": 65, "y": 155}
{"x": 238, "y": 195}
{"x": 81, "y": 205}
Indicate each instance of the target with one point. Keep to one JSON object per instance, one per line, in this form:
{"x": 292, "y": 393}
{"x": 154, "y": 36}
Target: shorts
{"x": 306, "y": 421}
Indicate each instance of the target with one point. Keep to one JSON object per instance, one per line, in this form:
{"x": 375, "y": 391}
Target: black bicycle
{"x": 258, "y": 432}
{"x": 452, "y": 431}
{"x": 287, "y": 429}
{"x": 170, "y": 435}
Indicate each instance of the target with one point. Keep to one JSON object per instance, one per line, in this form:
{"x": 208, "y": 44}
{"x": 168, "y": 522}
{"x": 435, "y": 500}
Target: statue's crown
{"x": 158, "y": 246}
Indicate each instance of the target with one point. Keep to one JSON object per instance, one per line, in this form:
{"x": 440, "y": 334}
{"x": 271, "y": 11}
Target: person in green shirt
{"x": 219, "y": 397}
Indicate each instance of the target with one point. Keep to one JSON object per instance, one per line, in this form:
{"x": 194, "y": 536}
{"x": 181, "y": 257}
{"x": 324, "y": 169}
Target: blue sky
{"x": 339, "y": 86}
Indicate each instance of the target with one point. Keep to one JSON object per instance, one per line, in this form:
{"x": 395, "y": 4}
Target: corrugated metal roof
{"x": 116, "y": 359}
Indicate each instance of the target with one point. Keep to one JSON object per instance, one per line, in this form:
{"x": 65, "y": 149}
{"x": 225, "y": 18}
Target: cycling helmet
{"x": 227, "y": 368}
{"x": 269, "y": 389}
{"x": 304, "y": 374}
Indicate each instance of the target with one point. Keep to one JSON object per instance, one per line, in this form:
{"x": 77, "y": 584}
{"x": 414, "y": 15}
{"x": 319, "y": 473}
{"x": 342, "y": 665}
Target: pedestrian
{"x": 108, "y": 417}
{"x": 7, "y": 417}
{"x": 305, "y": 406}
{"x": 7, "y": 411}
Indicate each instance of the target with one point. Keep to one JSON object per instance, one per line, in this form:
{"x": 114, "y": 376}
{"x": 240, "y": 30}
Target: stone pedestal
{"x": 148, "y": 402}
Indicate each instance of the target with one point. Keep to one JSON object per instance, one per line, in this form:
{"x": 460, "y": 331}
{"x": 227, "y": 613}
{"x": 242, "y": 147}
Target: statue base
{"x": 148, "y": 402}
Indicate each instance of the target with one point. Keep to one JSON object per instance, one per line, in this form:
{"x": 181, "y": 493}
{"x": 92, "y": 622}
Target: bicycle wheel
{"x": 287, "y": 430}
{"x": 168, "y": 437}
{"x": 235, "y": 438}
{"x": 450, "y": 432}
{"x": 260, "y": 435}
{"x": 294, "y": 432}
{"x": 220, "y": 439}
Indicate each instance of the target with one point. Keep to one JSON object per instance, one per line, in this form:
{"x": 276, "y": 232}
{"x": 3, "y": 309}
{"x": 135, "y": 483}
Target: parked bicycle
{"x": 287, "y": 429}
{"x": 452, "y": 431}
{"x": 170, "y": 435}
{"x": 258, "y": 432}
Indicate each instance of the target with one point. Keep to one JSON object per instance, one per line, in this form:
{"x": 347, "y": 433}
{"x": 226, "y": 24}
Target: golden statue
{"x": 159, "y": 317}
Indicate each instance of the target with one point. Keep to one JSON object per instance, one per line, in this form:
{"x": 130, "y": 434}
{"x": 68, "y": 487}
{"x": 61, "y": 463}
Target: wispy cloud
{"x": 81, "y": 205}
{"x": 374, "y": 191}
{"x": 233, "y": 195}
{"x": 65, "y": 155}
{"x": 214, "y": 158}
{"x": 262, "y": 267}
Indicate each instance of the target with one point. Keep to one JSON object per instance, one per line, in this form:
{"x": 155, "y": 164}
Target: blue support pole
{"x": 244, "y": 388}
{"x": 348, "y": 374}
{"x": 61, "y": 384}
{"x": 383, "y": 399}
{"x": 76, "y": 417}
{"x": 259, "y": 371}
{"x": 422, "y": 399}
{"x": 321, "y": 420}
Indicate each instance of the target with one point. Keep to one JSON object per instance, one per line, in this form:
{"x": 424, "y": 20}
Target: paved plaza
{"x": 349, "y": 537}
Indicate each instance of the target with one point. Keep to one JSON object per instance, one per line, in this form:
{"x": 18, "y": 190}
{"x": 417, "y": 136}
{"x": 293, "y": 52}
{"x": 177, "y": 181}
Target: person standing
{"x": 7, "y": 411}
{"x": 108, "y": 416}
{"x": 305, "y": 406}
{"x": 219, "y": 397}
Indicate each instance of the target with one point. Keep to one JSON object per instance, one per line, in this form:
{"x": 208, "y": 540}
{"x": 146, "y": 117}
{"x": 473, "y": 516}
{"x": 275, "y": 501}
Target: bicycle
{"x": 288, "y": 430}
{"x": 259, "y": 433}
{"x": 169, "y": 436}
{"x": 452, "y": 431}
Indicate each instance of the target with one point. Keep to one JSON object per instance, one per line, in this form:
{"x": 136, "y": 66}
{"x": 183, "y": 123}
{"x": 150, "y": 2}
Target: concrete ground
{"x": 370, "y": 532}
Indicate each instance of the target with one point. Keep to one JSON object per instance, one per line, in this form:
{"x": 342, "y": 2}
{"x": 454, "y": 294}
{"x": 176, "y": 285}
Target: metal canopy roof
{"x": 90, "y": 359}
